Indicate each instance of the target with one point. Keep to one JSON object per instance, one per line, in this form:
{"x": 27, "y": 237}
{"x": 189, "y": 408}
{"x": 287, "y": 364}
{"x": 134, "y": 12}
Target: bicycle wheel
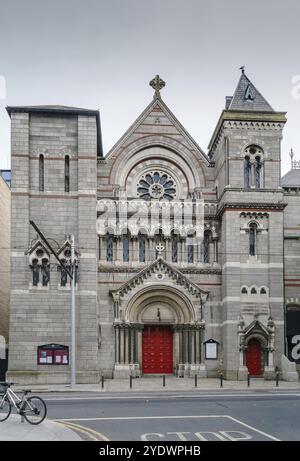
{"x": 5, "y": 409}
{"x": 34, "y": 410}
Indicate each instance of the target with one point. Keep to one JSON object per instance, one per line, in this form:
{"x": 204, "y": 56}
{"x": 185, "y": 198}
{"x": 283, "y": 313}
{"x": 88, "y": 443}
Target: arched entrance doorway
{"x": 159, "y": 333}
{"x": 254, "y": 357}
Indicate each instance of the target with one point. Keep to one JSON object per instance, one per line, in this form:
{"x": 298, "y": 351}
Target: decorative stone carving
{"x": 39, "y": 262}
{"x": 64, "y": 254}
{"x": 157, "y": 185}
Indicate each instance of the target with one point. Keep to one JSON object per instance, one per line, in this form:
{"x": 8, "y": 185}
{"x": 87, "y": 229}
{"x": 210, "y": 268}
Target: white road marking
{"x": 135, "y": 418}
{"x": 225, "y": 436}
{"x": 144, "y": 437}
{"x": 168, "y": 397}
{"x": 215, "y": 434}
{"x": 253, "y": 428}
{"x": 237, "y": 435}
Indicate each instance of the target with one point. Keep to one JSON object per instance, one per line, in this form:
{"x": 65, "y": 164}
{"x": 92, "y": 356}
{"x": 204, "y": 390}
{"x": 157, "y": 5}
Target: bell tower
{"x": 245, "y": 148}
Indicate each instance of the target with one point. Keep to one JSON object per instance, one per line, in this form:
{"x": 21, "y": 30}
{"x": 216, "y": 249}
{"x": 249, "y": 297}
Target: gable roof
{"x": 155, "y": 106}
{"x": 158, "y": 265}
{"x": 246, "y": 97}
{"x": 291, "y": 178}
{"x": 256, "y": 325}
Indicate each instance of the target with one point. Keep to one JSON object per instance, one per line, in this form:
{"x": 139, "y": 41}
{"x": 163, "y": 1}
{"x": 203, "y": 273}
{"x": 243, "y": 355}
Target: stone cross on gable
{"x": 157, "y": 84}
{"x": 160, "y": 248}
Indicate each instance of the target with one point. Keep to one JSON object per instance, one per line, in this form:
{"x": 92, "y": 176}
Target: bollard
{"x": 248, "y": 379}
{"x": 130, "y": 381}
{"x": 164, "y": 381}
{"x": 102, "y": 382}
{"x": 221, "y": 380}
{"x": 277, "y": 378}
{"x": 196, "y": 381}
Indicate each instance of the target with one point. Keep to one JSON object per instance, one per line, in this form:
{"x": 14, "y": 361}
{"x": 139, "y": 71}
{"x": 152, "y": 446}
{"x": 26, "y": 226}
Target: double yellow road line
{"x": 89, "y": 433}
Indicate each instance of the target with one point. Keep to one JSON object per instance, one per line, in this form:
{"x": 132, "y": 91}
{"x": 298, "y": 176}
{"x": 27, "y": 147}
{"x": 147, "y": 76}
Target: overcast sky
{"x": 101, "y": 54}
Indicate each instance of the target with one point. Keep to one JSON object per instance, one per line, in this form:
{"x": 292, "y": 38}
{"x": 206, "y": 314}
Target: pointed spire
{"x": 157, "y": 84}
{"x": 247, "y": 97}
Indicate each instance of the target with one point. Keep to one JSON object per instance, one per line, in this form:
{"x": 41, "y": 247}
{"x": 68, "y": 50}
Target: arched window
{"x": 109, "y": 247}
{"x": 244, "y": 291}
{"x": 63, "y": 275}
{"x": 142, "y": 247}
{"x": 126, "y": 240}
{"x": 206, "y": 241}
{"x": 35, "y": 272}
{"x": 247, "y": 170}
{"x": 252, "y": 239}
{"x": 45, "y": 269}
{"x": 41, "y": 173}
{"x": 190, "y": 249}
{"x": 253, "y": 167}
{"x": 67, "y": 173}
{"x": 253, "y": 291}
{"x": 263, "y": 291}
{"x": 66, "y": 259}
{"x": 257, "y": 169}
{"x": 40, "y": 266}
{"x": 174, "y": 241}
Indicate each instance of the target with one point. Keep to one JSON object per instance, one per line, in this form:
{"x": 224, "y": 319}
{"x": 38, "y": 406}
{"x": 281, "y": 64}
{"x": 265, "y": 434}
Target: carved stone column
{"x": 116, "y": 298}
{"x": 168, "y": 249}
{"x": 152, "y": 249}
{"x": 123, "y": 367}
{"x": 269, "y": 372}
{"x": 198, "y": 365}
{"x": 102, "y": 249}
{"x": 215, "y": 257}
{"x": 243, "y": 370}
{"x": 184, "y": 252}
{"x": 119, "y": 247}
{"x": 134, "y": 257}
{"x": 117, "y": 344}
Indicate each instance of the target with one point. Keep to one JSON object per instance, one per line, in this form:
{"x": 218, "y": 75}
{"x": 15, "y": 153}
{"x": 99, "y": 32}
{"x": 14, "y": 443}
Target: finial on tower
{"x": 242, "y": 69}
{"x": 157, "y": 84}
{"x": 294, "y": 163}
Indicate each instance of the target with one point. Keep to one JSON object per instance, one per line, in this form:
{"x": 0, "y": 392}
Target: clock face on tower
{"x": 156, "y": 185}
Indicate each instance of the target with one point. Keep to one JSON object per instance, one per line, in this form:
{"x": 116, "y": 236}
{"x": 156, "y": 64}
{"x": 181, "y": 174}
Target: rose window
{"x": 157, "y": 185}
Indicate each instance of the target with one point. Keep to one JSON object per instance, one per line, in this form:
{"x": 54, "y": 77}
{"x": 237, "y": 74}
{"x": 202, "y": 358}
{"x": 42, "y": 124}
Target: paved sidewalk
{"x": 172, "y": 384}
{"x": 13, "y": 429}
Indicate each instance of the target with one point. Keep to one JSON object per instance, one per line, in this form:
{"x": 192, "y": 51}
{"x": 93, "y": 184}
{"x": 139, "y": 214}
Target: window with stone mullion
{"x": 142, "y": 248}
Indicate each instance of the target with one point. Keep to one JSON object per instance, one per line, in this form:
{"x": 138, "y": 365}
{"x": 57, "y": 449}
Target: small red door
{"x": 157, "y": 349}
{"x": 254, "y": 357}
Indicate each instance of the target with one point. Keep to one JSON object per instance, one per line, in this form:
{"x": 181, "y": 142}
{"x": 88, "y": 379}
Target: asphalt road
{"x": 225, "y": 416}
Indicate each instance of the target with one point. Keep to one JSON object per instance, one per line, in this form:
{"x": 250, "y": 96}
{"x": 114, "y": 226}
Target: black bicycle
{"x": 32, "y": 408}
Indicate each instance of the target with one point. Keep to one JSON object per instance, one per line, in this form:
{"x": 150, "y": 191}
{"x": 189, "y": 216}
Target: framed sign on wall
{"x": 211, "y": 349}
{"x": 53, "y": 354}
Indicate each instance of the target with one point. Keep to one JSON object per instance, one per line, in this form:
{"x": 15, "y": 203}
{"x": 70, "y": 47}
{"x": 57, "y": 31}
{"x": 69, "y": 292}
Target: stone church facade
{"x": 152, "y": 302}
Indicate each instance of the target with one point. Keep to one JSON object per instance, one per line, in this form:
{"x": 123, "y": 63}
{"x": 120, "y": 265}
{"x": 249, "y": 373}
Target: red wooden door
{"x": 157, "y": 349}
{"x": 254, "y": 357}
